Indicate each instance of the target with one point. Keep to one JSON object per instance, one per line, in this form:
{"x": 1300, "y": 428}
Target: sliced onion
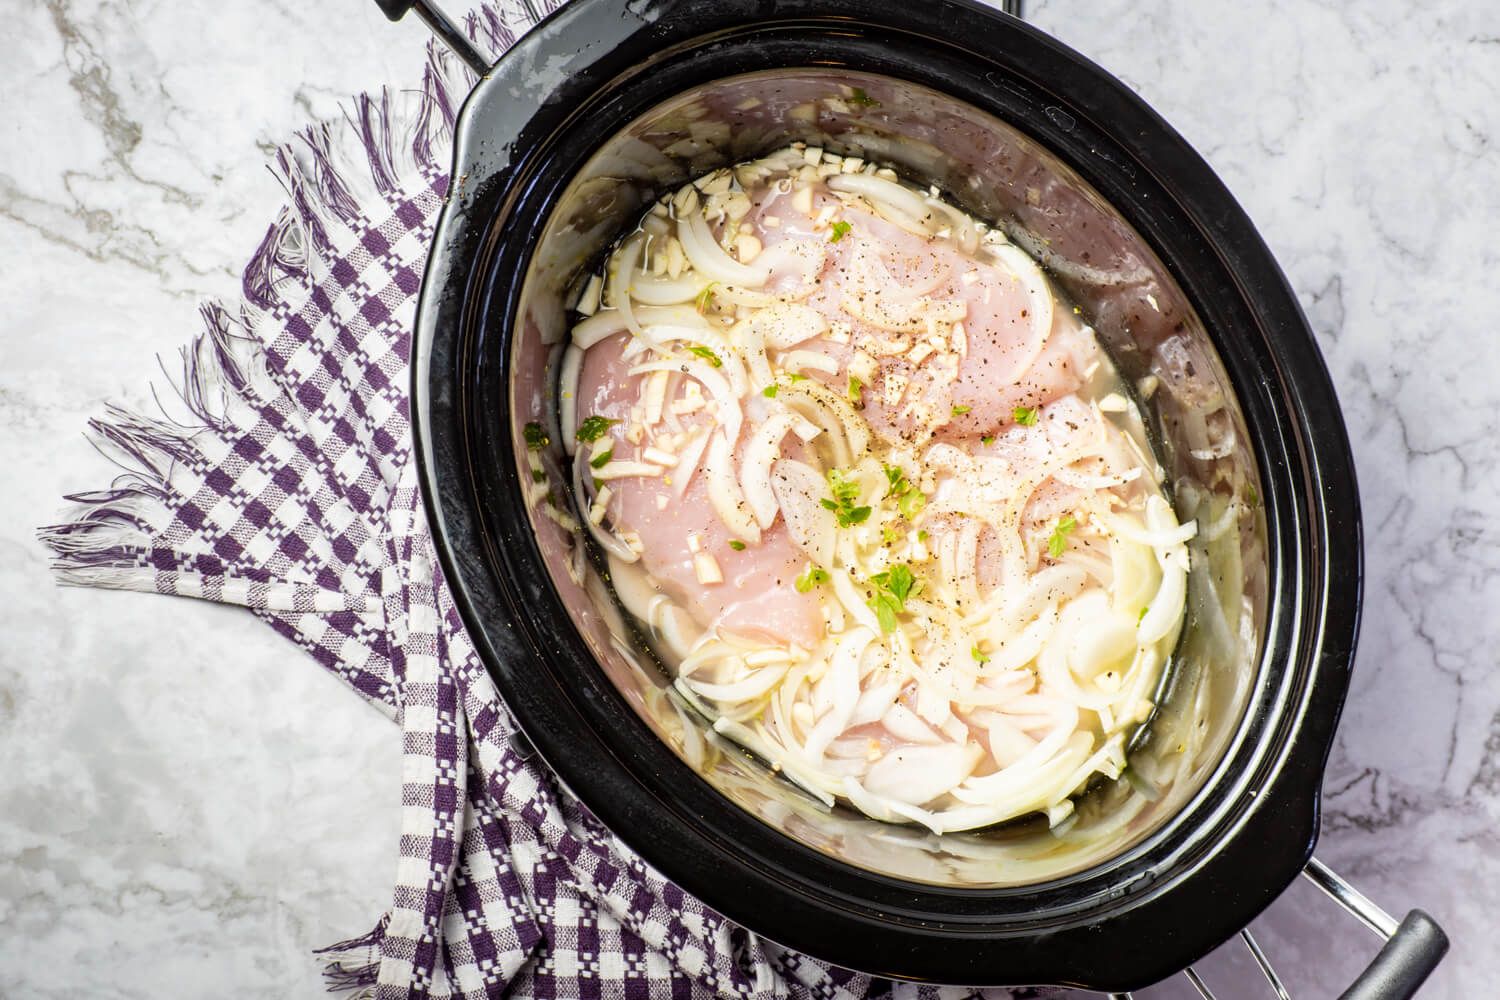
{"x": 1039, "y": 300}
{"x": 811, "y": 526}
{"x": 762, "y": 451}
{"x": 831, "y": 411}
{"x": 626, "y": 470}
{"x": 843, "y": 679}
{"x": 915, "y": 775}
{"x": 880, "y": 191}
{"x": 902, "y": 723}
{"x": 752, "y": 345}
{"x": 731, "y": 417}
{"x": 625, "y": 260}
{"x": 758, "y": 683}
{"x": 808, "y": 256}
{"x": 607, "y": 540}
{"x": 787, "y": 324}
{"x": 730, "y": 366}
{"x": 650, "y": 290}
{"x": 801, "y": 361}
{"x": 724, "y": 493}
{"x": 852, "y": 600}
{"x": 687, "y": 461}
{"x": 567, "y": 386}
{"x": 874, "y": 702}
{"x": 710, "y": 260}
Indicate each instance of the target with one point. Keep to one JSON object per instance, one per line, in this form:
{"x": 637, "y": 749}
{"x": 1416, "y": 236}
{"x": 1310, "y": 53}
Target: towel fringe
{"x": 354, "y": 964}
{"x": 328, "y": 171}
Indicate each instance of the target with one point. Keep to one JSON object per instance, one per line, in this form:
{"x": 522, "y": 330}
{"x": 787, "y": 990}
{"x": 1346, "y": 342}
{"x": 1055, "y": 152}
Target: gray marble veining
{"x": 188, "y": 805}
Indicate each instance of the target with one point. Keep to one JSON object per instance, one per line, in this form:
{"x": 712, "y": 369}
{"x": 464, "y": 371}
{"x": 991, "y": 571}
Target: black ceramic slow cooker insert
{"x": 606, "y": 105}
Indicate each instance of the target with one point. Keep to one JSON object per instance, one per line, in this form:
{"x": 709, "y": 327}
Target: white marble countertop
{"x": 187, "y": 804}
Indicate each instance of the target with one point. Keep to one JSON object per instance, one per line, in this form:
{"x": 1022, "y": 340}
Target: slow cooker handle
{"x": 1411, "y": 951}
{"x": 443, "y": 26}
{"x": 1404, "y": 963}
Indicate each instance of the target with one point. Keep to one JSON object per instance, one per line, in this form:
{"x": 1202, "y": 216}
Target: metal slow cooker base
{"x": 1412, "y": 948}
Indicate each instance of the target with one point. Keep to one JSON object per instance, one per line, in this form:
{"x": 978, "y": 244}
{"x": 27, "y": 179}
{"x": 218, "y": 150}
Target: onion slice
{"x": 724, "y": 493}
{"x": 761, "y": 453}
{"x": 799, "y": 488}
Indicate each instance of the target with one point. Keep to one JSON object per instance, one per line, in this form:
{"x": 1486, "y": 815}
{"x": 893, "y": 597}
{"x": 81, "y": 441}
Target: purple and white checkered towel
{"x": 286, "y": 485}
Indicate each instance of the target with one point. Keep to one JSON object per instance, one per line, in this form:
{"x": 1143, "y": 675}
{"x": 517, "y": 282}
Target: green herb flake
{"x": 600, "y": 460}
{"x": 705, "y": 298}
{"x": 594, "y": 428}
{"x": 769, "y": 392}
{"x": 1058, "y": 543}
{"x": 810, "y": 578}
{"x": 987, "y": 440}
{"x": 980, "y": 656}
{"x": 840, "y": 230}
{"x": 862, "y": 99}
{"x": 959, "y": 411}
{"x": 845, "y": 495}
{"x": 895, "y": 585}
{"x": 856, "y": 391}
{"x": 1252, "y": 497}
{"x": 797, "y": 377}
{"x": 707, "y": 355}
{"x": 909, "y": 499}
{"x": 1142, "y": 616}
{"x": 1024, "y": 415}
{"x": 536, "y": 438}
{"x": 922, "y": 535}
{"x": 737, "y": 545}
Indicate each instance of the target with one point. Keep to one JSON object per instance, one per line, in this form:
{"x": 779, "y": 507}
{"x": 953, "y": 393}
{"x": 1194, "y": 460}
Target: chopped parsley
{"x": 706, "y": 297}
{"x": 593, "y": 429}
{"x": 856, "y": 391}
{"x": 538, "y": 476}
{"x": 845, "y": 496}
{"x": 980, "y": 656}
{"x": 987, "y": 440}
{"x": 707, "y": 355}
{"x": 894, "y": 586}
{"x": 1142, "y": 616}
{"x": 810, "y": 578}
{"x": 769, "y": 392}
{"x": 737, "y": 545}
{"x": 840, "y": 230}
{"x": 863, "y": 99}
{"x": 1059, "y": 540}
{"x": 909, "y": 499}
{"x": 1251, "y": 496}
{"x": 797, "y": 377}
{"x": 1024, "y": 415}
{"x": 959, "y": 411}
{"x": 600, "y": 460}
{"x": 536, "y": 438}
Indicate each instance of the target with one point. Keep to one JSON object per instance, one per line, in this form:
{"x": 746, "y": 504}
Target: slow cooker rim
{"x": 424, "y": 398}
